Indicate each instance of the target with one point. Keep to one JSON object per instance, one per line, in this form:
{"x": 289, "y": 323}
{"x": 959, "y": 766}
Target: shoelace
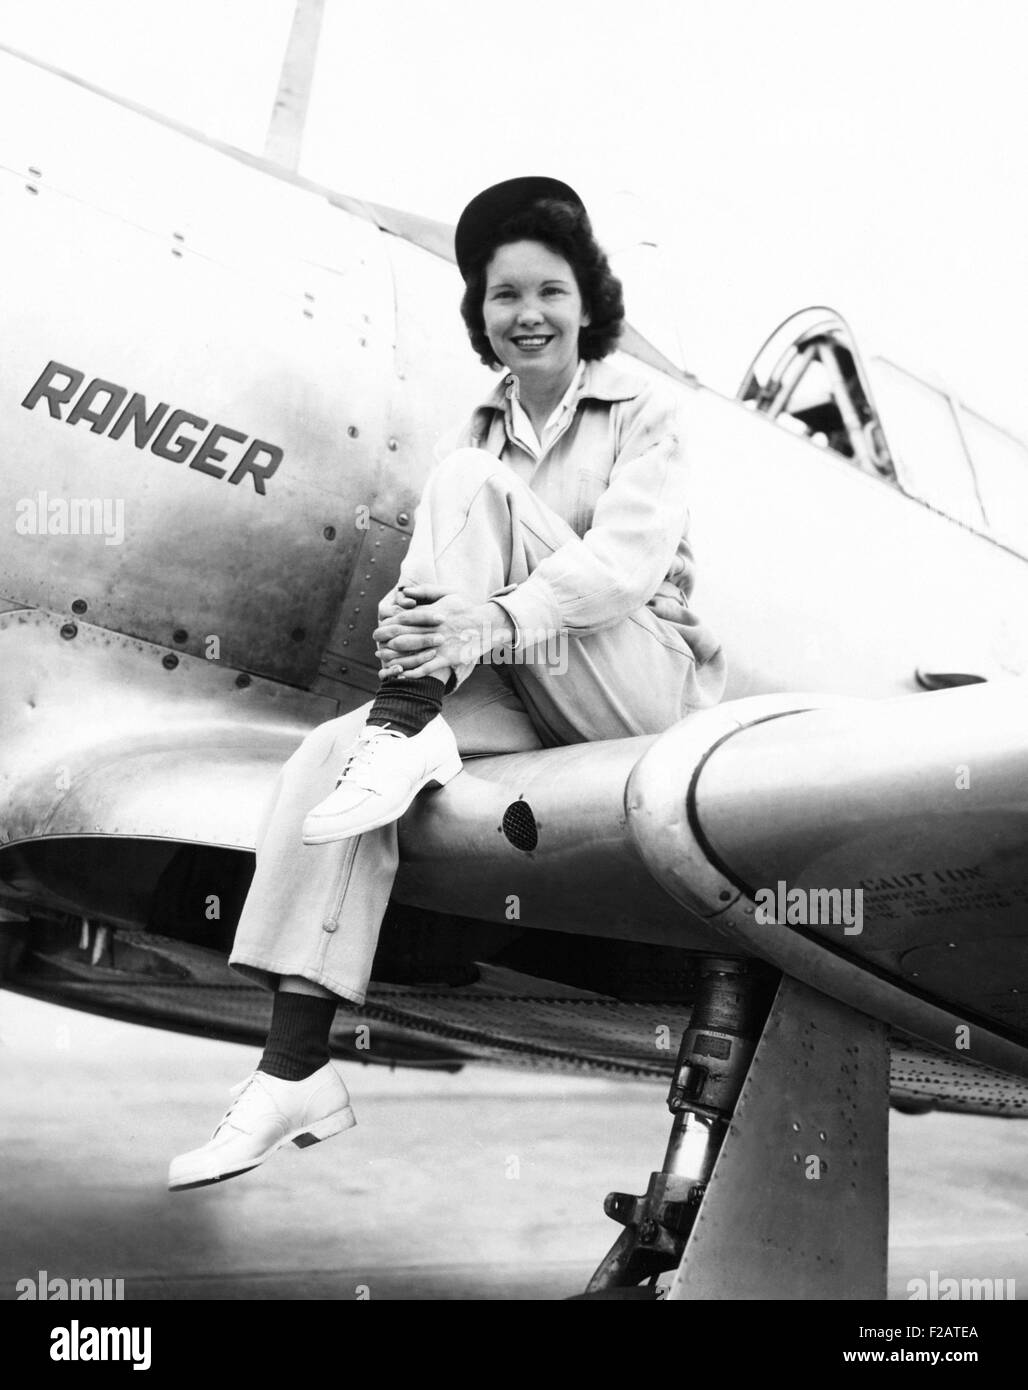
{"x": 363, "y": 751}
{"x": 237, "y": 1094}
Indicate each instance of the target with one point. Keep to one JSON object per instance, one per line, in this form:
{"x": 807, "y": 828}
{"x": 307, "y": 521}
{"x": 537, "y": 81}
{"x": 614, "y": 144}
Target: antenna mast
{"x": 289, "y": 115}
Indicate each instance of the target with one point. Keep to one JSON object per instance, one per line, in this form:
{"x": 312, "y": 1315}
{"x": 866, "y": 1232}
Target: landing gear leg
{"x": 713, "y": 1060}
{"x": 776, "y": 1183}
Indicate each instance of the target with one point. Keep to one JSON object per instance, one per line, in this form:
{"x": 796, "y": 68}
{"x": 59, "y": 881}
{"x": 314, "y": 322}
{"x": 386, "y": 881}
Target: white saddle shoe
{"x": 383, "y": 774}
{"x": 265, "y": 1114}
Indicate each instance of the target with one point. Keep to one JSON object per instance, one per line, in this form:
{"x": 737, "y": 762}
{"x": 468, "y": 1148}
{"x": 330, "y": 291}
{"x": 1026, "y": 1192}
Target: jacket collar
{"x": 602, "y": 380}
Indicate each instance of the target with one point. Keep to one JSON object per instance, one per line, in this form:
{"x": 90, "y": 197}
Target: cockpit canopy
{"x": 891, "y": 423}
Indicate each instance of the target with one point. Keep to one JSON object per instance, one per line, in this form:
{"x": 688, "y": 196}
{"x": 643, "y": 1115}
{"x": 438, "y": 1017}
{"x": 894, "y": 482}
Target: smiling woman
{"x": 544, "y": 272}
{"x": 557, "y": 520}
{"x": 533, "y": 314}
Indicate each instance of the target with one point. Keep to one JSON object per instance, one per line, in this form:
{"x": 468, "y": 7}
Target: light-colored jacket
{"x": 618, "y": 475}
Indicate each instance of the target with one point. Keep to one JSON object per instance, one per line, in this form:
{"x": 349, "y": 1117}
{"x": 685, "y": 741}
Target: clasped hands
{"x": 424, "y": 629}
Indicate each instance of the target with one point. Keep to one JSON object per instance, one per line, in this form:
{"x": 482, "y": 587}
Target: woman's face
{"x": 533, "y": 312}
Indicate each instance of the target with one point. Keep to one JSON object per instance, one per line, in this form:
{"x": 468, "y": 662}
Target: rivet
{"x": 79, "y": 605}
{"x": 328, "y": 926}
{"x": 298, "y": 634}
{"x": 352, "y": 431}
{"x": 169, "y": 661}
{"x": 68, "y": 631}
{"x": 180, "y": 635}
{"x": 393, "y": 445}
{"x": 329, "y": 533}
{"x": 402, "y": 518}
{"x": 242, "y": 680}
{"x": 343, "y": 670}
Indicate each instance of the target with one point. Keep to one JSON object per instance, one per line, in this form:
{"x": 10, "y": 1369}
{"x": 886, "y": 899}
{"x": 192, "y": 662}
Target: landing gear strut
{"x": 713, "y": 1060}
{"x": 776, "y": 1179}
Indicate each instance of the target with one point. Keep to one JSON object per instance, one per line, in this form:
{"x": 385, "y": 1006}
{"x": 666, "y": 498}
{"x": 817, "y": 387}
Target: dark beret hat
{"x": 490, "y": 208}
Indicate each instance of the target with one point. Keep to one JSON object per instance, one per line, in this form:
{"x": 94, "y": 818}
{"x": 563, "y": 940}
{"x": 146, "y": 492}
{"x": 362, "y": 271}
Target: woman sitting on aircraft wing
{"x": 560, "y": 518}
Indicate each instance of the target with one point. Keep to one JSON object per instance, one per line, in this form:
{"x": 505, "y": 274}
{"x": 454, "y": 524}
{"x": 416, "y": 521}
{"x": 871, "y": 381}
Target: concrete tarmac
{"x": 483, "y": 1185}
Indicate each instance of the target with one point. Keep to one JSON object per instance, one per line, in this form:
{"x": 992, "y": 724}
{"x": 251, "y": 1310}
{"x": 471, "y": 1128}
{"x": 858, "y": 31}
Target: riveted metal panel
{"x": 797, "y": 1205}
{"x": 108, "y": 735}
{"x": 350, "y": 650}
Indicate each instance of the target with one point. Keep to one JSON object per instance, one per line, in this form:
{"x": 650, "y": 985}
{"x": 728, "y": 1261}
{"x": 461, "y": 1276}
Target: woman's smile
{"x": 533, "y": 313}
{"x": 531, "y": 343}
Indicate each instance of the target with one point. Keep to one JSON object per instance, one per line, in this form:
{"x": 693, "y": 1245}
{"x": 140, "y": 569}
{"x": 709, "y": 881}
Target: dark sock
{"x": 407, "y": 706}
{"x": 298, "y": 1038}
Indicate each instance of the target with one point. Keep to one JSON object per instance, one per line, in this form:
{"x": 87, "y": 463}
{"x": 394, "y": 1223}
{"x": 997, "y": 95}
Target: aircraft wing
{"x": 668, "y": 847}
{"x": 920, "y": 804}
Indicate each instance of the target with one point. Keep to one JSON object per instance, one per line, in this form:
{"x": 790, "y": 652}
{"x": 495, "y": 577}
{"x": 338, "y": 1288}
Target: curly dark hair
{"x": 566, "y": 230}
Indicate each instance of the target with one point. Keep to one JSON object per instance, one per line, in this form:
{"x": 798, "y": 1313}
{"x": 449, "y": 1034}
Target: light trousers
{"x": 315, "y": 910}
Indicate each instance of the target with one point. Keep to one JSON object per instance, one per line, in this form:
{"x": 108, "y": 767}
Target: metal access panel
{"x": 797, "y": 1206}
{"x": 350, "y": 649}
